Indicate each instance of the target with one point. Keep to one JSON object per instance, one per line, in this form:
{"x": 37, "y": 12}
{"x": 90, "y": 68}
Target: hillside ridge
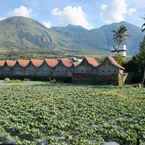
{"x": 28, "y": 35}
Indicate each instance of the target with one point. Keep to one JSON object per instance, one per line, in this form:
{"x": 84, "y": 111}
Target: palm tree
{"x": 119, "y": 37}
{"x": 143, "y": 27}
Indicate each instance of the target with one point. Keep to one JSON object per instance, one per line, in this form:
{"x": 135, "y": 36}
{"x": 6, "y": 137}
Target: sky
{"x": 86, "y": 13}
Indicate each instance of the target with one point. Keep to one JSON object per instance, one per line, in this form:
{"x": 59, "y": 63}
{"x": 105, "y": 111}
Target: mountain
{"x": 96, "y": 40}
{"x": 77, "y": 38}
{"x": 27, "y": 35}
{"x": 134, "y": 38}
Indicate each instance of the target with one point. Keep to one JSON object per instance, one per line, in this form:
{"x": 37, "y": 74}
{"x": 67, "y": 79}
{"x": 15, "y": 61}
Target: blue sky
{"x": 87, "y": 13}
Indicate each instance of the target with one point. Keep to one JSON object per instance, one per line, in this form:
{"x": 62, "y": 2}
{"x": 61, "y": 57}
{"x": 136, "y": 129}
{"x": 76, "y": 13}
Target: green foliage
{"x": 137, "y": 64}
{"x": 141, "y": 55}
{"x": 120, "y": 59}
{"x": 71, "y": 115}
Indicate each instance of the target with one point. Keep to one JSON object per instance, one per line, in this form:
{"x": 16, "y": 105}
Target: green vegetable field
{"x": 66, "y": 114}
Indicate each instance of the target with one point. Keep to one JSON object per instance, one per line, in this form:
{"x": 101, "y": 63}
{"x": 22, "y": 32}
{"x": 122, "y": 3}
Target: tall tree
{"x": 119, "y": 37}
{"x": 141, "y": 55}
{"x": 137, "y": 64}
{"x": 143, "y": 27}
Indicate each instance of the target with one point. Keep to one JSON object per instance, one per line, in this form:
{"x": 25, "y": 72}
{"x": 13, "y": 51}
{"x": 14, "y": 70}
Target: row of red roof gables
{"x": 54, "y": 62}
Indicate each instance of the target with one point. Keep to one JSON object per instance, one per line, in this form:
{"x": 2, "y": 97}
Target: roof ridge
{"x": 53, "y": 62}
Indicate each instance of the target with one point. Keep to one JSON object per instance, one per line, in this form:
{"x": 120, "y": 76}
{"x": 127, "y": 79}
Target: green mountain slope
{"x": 97, "y": 40}
{"x": 27, "y": 35}
{"x": 78, "y": 38}
{"x": 24, "y": 34}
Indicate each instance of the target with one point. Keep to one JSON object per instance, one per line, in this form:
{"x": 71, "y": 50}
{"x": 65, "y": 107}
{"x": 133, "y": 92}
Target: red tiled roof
{"x": 2, "y": 63}
{"x": 23, "y": 62}
{"x": 67, "y": 62}
{"x": 113, "y": 62}
{"x": 52, "y": 62}
{"x": 37, "y": 62}
{"x": 10, "y": 63}
{"x": 92, "y": 61}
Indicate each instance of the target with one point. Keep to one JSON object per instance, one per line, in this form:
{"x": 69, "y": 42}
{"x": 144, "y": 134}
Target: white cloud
{"x": 115, "y": 11}
{"x": 2, "y": 18}
{"x": 104, "y": 7}
{"x": 131, "y": 11}
{"x": 22, "y": 11}
{"x": 72, "y": 15}
{"x": 56, "y": 12}
{"x": 47, "y": 24}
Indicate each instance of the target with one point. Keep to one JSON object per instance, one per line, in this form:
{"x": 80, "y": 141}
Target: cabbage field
{"x": 64, "y": 114}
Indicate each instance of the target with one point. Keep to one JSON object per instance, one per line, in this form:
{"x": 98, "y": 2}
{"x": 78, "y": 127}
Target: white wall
{"x": 83, "y": 68}
{"x": 43, "y": 71}
{"x": 62, "y": 71}
{"x": 6, "y": 71}
{"x": 30, "y": 70}
{"x": 107, "y": 69}
{"x": 18, "y": 71}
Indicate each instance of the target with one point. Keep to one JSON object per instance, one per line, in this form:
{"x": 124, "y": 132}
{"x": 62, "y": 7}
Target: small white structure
{"x": 110, "y": 143}
{"x": 122, "y": 51}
